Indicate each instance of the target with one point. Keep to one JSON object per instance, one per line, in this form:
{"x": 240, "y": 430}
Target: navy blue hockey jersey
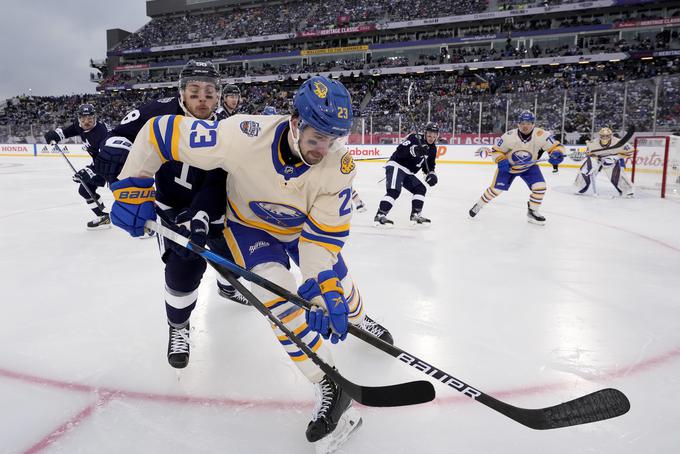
{"x": 410, "y": 155}
{"x": 178, "y": 185}
{"x": 91, "y": 138}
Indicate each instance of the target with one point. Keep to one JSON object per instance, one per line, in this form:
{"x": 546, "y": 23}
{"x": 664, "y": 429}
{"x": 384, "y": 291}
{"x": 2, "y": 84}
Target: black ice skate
{"x": 533, "y": 216}
{"x": 360, "y": 206}
{"x": 475, "y": 209}
{"x": 230, "y": 293}
{"x": 178, "y": 346}
{"x": 381, "y": 220}
{"x": 102, "y": 222}
{"x": 371, "y": 326}
{"x": 334, "y": 419}
{"x": 418, "y": 219}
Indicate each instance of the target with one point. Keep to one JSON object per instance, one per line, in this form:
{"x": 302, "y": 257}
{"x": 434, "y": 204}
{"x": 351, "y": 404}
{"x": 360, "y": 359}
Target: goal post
{"x": 656, "y": 164}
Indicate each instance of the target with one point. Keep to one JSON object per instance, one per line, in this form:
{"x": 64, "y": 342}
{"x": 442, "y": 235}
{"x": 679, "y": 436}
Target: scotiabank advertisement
{"x": 445, "y": 153}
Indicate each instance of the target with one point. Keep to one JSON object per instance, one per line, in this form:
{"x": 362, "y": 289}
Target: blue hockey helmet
{"x": 269, "y": 110}
{"x": 325, "y": 105}
{"x": 86, "y": 110}
{"x": 526, "y": 116}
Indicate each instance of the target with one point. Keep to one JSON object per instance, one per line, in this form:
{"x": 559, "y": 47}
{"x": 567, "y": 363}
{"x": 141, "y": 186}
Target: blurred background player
{"x": 231, "y": 102}
{"x": 417, "y": 152}
{"x": 269, "y": 110}
{"x": 612, "y": 162}
{"x": 92, "y": 132}
{"x": 310, "y": 168}
{"x": 516, "y": 153}
{"x": 194, "y": 199}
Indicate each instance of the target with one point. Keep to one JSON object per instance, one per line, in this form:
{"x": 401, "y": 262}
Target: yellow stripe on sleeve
{"x": 175, "y": 137}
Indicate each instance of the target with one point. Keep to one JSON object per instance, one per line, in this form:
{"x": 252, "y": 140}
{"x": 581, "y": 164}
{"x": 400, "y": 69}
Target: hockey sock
{"x": 178, "y": 305}
{"x": 536, "y": 197}
{"x": 417, "y": 203}
{"x": 489, "y": 195}
{"x": 385, "y": 205}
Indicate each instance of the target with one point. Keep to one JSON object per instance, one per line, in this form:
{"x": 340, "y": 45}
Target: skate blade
{"x": 99, "y": 227}
{"x": 421, "y": 224}
{"x": 382, "y": 226}
{"x": 534, "y": 221}
{"x": 349, "y": 422}
{"x": 361, "y": 210}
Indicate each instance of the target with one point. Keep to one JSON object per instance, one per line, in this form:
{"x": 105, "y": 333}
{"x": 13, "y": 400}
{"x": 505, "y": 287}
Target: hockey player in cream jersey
{"x": 516, "y": 153}
{"x": 611, "y": 161}
{"x": 289, "y": 197}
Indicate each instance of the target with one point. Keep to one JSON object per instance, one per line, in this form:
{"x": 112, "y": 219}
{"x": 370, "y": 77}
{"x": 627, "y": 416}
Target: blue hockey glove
{"x": 111, "y": 158}
{"x": 134, "y": 204}
{"x": 504, "y": 165}
{"x": 333, "y": 321}
{"x": 431, "y": 179}
{"x": 556, "y": 157}
{"x": 84, "y": 175}
{"x": 193, "y": 226}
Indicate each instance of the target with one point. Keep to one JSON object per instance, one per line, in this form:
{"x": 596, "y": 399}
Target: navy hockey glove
{"x": 134, "y": 204}
{"x": 193, "y": 226}
{"x": 84, "y": 175}
{"x": 52, "y": 136}
{"x": 421, "y": 150}
{"x": 556, "y": 157}
{"x": 431, "y": 179}
{"x": 333, "y": 321}
{"x": 111, "y": 158}
{"x": 504, "y": 165}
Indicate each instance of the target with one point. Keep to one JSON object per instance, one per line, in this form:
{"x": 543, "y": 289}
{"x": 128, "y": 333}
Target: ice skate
{"x": 381, "y": 220}
{"x": 418, "y": 219}
{"x": 533, "y": 216}
{"x": 178, "y": 346}
{"x": 102, "y": 222}
{"x": 334, "y": 419}
{"x": 475, "y": 209}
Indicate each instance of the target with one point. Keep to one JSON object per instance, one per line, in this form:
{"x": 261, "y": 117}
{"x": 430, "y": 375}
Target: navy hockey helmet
{"x": 431, "y": 126}
{"x": 526, "y": 116}
{"x": 86, "y": 110}
{"x": 269, "y": 110}
{"x": 231, "y": 89}
{"x": 202, "y": 71}
{"x": 325, "y": 105}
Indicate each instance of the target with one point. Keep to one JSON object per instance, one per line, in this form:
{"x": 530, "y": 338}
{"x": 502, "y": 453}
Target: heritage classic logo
{"x": 250, "y": 128}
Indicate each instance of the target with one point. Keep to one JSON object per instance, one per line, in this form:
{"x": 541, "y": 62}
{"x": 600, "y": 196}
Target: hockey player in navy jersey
{"x": 92, "y": 132}
{"x": 417, "y": 152}
{"x": 231, "y": 102}
{"x": 195, "y": 199}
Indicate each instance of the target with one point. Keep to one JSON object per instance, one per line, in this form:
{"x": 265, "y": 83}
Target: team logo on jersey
{"x": 346, "y": 163}
{"x": 320, "y": 90}
{"x": 250, "y": 128}
{"x": 278, "y": 214}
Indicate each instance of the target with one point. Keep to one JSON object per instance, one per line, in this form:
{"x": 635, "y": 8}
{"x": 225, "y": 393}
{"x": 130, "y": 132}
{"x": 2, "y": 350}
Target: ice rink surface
{"x": 532, "y": 315}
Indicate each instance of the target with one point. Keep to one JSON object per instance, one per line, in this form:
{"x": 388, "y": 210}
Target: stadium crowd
{"x": 383, "y": 99}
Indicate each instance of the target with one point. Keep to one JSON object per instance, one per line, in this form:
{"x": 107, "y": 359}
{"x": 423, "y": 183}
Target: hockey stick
{"x": 597, "y": 406}
{"x": 410, "y": 393}
{"x": 619, "y": 144}
{"x": 75, "y": 172}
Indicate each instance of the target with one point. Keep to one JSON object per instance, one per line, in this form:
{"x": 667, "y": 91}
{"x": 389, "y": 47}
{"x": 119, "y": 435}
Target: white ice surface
{"x": 532, "y": 315}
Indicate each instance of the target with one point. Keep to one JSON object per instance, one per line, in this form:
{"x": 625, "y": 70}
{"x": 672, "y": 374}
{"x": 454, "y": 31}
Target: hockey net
{"x": 656, "y": 164}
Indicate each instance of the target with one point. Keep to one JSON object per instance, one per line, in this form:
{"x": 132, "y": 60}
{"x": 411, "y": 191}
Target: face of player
{"x": 200, "y": 99}
{"x": 231, "y": 102}
{"x": 431, "y": 137}
{"x": 87, "y": 122}
{"x": 605, "y": 139}
{"x": 314, "y": 146}
{"x": 525, "y": 127}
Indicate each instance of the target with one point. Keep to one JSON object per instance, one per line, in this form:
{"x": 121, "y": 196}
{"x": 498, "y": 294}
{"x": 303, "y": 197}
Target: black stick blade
{"x": 410, "y": 393}
{"x": 600, "y": 405}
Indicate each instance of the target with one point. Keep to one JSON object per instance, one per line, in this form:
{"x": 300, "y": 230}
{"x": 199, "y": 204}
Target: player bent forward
{"x": 516, "y": 153}
{"x": 289, "y": 197}
{"x": 612, "y": 161}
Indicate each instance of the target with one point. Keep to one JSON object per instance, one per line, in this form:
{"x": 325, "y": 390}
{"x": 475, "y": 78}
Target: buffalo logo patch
{"x": 250, "y": 128}
{"x": 320, "y": 90}
{"x": 347, "y": 163}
